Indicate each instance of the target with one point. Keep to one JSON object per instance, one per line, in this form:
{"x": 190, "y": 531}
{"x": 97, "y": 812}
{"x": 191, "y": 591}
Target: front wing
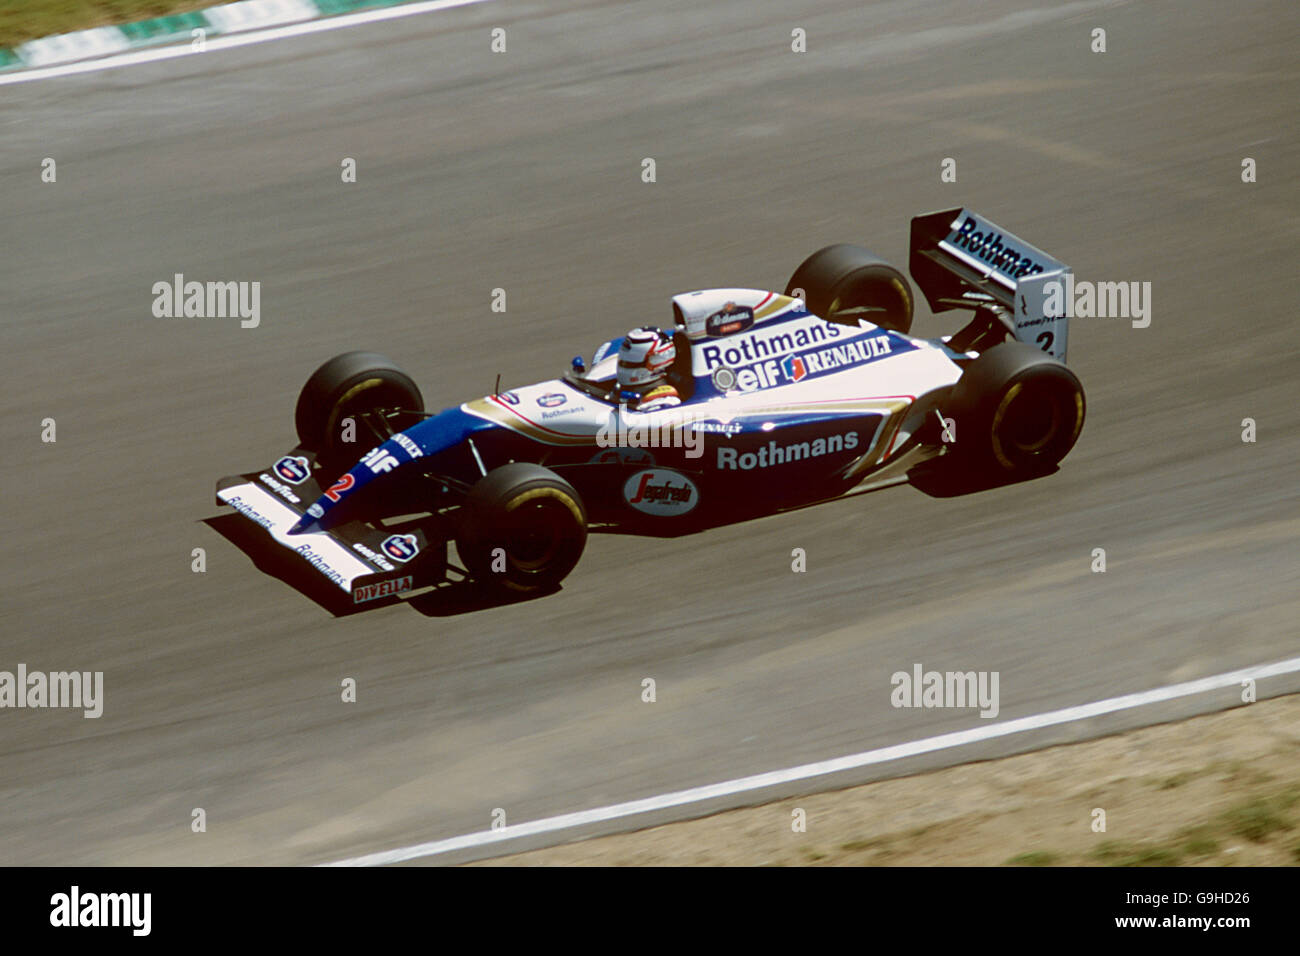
{"x": 365, "y": 561}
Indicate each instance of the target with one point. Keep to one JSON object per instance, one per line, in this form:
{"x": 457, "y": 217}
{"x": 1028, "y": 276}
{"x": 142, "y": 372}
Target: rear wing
{"x": 960, "y": 259}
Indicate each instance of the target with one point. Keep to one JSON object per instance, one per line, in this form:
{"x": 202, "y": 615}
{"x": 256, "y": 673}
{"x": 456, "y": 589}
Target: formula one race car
{"x": 786, "y": 398}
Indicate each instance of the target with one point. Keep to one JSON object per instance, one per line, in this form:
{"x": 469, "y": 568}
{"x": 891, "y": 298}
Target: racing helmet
{"x": 645, "y": 357}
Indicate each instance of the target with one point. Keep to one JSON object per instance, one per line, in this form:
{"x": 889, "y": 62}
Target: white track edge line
{"x": 772, "y": 778}
{"x": 231, "y": 41}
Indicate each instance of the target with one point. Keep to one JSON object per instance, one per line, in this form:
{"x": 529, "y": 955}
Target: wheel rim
{"x": 1036, "y": 423}
{"x": 1033, "y": 420}
{"x": 536, "y": 534}
{"x": 368, "y": 396}
{"x": 877, "y": 292}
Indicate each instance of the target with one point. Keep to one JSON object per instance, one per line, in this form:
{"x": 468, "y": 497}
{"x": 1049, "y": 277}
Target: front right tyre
{"x": 345, "y": 387}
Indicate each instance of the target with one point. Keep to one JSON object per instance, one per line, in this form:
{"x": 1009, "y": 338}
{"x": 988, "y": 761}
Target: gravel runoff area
{"x": 1217, "y": 790}
{"x": 23, "y": 20}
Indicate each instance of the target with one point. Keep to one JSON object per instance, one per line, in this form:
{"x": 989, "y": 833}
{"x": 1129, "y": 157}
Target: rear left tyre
{"x": 1017, "y": 411}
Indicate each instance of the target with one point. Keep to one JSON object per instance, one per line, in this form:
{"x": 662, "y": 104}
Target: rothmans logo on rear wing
{"x": 958, "y": 254}
{"x": 979, "y": 243}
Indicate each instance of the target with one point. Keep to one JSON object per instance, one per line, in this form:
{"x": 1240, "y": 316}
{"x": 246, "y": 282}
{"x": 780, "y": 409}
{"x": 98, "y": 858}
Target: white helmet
{"x": 645, "y": 357}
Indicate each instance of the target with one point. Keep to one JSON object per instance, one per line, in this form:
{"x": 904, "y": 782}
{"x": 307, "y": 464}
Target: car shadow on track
{"x": 937, "y": 480}
{"x": 458, "y": 595}
{"x": 448, "y": 599}
{"x": 465, "y": 597}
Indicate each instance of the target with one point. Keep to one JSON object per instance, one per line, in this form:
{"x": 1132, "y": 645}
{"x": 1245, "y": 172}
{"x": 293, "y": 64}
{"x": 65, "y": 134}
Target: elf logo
{"x": 659, "y": 492}
{"x": 293, "y": 469}
{"x": 794, "y": 367}
{"x": 835, "y": 357}
{"x": 400, "y": 547}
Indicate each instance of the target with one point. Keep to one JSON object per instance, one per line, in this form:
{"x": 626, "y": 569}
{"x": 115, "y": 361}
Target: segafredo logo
{"x": 293, "y": 469}
{"x": 657, "y": 492}
{"x": 400, "y": 547}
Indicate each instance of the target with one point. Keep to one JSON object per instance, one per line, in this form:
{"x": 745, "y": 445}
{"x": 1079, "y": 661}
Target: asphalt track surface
{"x": 522, "y": 171}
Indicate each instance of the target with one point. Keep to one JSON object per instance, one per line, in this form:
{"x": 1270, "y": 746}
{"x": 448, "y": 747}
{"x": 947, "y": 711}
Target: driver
{"x": 644, "y": 359}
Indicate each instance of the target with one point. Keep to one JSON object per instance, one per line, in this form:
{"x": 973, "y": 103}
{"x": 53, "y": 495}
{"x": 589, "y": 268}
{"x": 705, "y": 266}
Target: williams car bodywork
{"x": 787, "y": 398}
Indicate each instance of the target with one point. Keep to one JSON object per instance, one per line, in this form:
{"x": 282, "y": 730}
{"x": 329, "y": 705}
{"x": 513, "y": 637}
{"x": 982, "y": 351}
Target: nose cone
{"x": 380, "y": 460}
{"x": 307, "y": 524}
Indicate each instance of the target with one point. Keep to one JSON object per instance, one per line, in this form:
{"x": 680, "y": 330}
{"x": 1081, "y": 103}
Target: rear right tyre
{"x": 847, "y": 277}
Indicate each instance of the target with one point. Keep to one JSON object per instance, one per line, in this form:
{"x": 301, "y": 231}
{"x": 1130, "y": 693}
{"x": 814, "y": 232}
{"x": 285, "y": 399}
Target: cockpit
{"x": 599, "y": 378}
{"x": 705, "y": 324}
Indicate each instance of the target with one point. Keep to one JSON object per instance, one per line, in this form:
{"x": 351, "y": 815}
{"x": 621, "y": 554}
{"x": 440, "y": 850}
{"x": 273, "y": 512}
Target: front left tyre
{"x": 522, "y": 529}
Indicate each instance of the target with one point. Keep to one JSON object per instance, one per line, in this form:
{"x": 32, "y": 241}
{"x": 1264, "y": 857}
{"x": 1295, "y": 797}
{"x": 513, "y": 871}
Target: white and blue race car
{"x": 787, "y": 398}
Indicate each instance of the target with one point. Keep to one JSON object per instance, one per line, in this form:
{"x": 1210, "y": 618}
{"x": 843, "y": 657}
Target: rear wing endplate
{"x": 958, "y": 254}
